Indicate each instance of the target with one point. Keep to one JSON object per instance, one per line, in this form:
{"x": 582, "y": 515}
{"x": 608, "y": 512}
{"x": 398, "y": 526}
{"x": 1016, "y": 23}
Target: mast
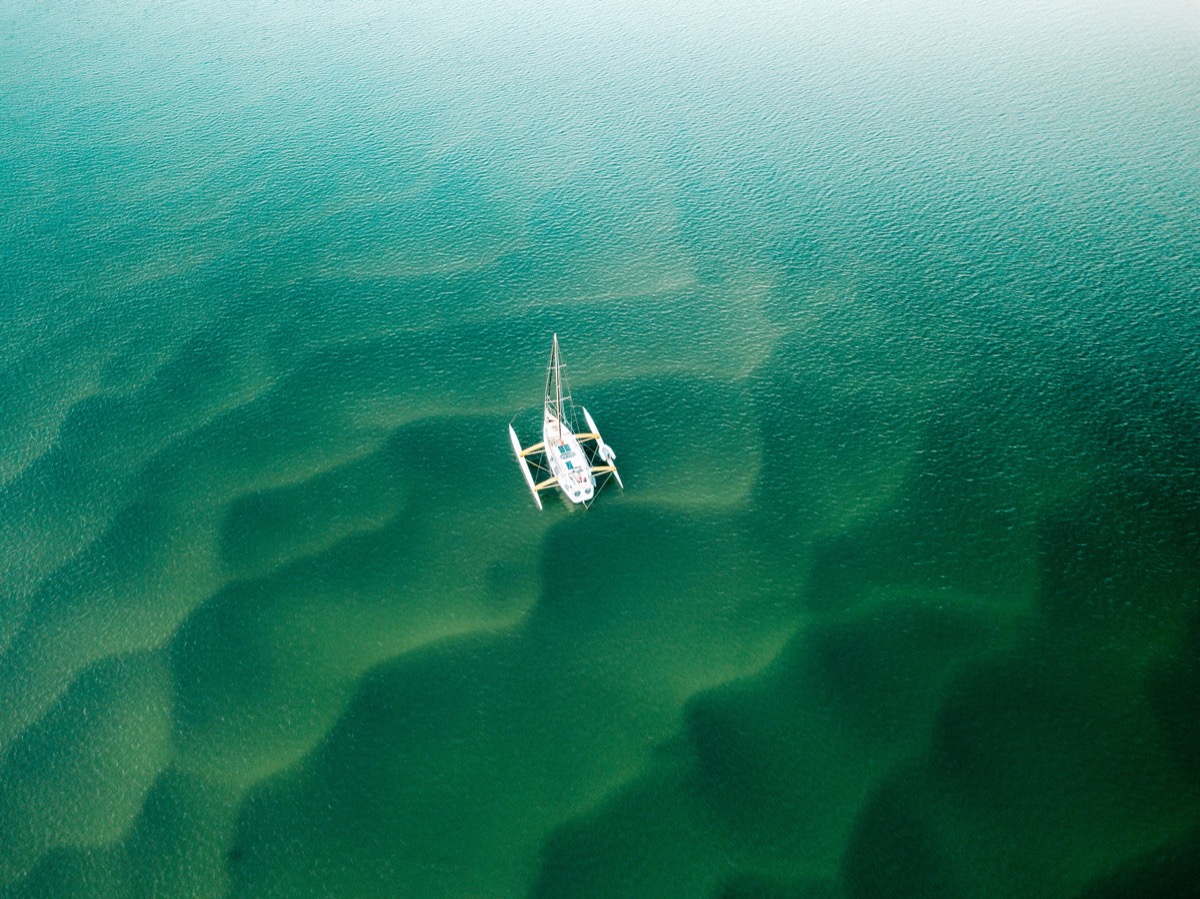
{"x": 554, "y": 373}
{"x": 557, "y": 379}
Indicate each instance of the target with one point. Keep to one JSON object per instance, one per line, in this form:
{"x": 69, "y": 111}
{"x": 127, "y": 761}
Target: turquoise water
{"x": 890, "y": 310}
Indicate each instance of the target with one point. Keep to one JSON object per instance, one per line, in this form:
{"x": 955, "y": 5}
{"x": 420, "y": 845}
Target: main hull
{"x": 567, "y": 460}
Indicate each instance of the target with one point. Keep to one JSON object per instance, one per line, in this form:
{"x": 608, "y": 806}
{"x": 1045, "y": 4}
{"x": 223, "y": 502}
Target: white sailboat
{"x": 567, "y": 459}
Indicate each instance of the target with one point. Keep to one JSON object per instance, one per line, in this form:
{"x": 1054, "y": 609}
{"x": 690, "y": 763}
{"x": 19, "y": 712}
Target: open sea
{"x": 889, "y": 308}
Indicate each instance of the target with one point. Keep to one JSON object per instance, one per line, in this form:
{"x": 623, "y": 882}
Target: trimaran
{"x": 572, "y": 459}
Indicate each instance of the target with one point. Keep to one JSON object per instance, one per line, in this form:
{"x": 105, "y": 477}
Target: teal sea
{"x": 890, "y": 309}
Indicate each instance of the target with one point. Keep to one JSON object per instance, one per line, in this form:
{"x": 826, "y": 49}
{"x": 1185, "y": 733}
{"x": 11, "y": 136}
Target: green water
{"x": 890, "y": 310}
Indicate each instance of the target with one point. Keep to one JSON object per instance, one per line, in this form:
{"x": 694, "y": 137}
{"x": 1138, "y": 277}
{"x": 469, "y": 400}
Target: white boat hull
{"x": 516, "y": 445}
{"x": 567, "y": 461}
{"x": 569, "y": 466}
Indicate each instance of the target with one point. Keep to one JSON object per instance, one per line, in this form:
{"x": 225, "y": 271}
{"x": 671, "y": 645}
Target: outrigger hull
{"x": 516, "y": 444}
{"x": 603, "y": 450}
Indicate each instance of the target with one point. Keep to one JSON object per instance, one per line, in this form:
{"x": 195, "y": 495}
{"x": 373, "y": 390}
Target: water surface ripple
{"x": 890, "y": 309}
